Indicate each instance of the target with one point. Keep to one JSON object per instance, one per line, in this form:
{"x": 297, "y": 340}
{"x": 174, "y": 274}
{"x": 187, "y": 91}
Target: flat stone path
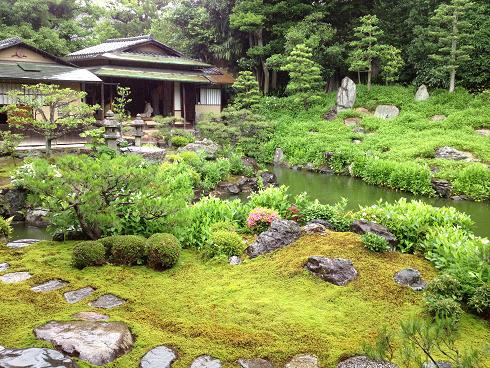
{"x": 91, "y": 316}
{"x": 159, "y": 357}
{"x": 4, "y": 267}
{"x": 34, "y": 358}
{"x": 77, "y": 295}
{"x": 206, "y": 361}
{"x": 50, "y": 285}
{"x": 15, "y": 277}
{"x": 22, "y": 243}
{"x": 107, "y": 301}
{"x": 254, "y": 363}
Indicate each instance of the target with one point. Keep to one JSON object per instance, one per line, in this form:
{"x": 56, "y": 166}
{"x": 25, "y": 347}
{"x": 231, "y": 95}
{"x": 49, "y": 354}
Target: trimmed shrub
{"x": 224, "y": 243}
{"x": 180, "y": 141}
{"x": 261, "y": 218}
{"x": 222, "y": 225}
{"x": 163, "y": 251}
{"x": 445, "y": 286}
{"x": 444, "y": 308}
{"x": 108, "y": 243}
{"x": 375, "y": 242}
{"x": 88, "y": 253}
{"x": 480, "y": 300}
{"x": 128, "y": 250}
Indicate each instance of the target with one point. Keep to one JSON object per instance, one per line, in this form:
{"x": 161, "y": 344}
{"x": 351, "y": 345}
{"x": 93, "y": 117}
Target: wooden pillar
{"x": 102, "y": 102}
{"x": 177, "y": 100}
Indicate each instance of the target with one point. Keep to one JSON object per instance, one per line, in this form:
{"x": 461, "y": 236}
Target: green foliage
{"x": 314, "y": 210}
{"x": 474, "y": 181}
{"x": 5, "y": 228}
{"x": 65, "y": 113}
{"x": 411, "y": 221}
{"x": 375, "y": 242}
{"x": 120, "y": 103}
{"x": 445, "y": 286}
{"x": 96, "y": 138}
{"x": 443, "y": 308}
{"x": 383, "y": 348}
{"x": 9, "y": 142}
{"x": 274, "y": 198}
{"x": 391, "y": 63}
{"x": 480, "y": 300}
{"x": 179, "y": 141}
{"x": 451, "y": 29}
{"x": 305, "y": 79}
{"x": 88, "y": 253}
{"x": 223, "y": 243}
{"x": 163, "y": 251}
{"x": 128, "y": 250}
{"x": 247, "y": 91}
{"x": 108, "y": 195}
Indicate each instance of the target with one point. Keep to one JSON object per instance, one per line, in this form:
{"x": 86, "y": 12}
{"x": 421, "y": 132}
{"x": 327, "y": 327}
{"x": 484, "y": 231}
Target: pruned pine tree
{"x": 366, "y": 47}
{"x": 50, "y": 111}
{"x": 305, "y": 82}
{"x": 451, "y": 29}
{"x": 391, "y": 63}
{"x": 247, "y": 88}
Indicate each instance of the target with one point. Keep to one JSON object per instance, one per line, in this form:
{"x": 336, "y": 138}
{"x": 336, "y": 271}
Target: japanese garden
{"x": 244, "y": 183}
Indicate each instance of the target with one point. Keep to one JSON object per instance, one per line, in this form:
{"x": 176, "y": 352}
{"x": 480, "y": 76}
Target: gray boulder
{"x": 107, "y": 301}
{"x": 346, "y": 95}
{"x": 364, "y": 226}
{"x": 268, "y": 178}
{"x": 337, "y": 271}
{"x": 37, "y": 217}
{"x": 437, "y": 118}
{"x": 149, "y": 153}
{"x": 422, "y": 93}
{"x": 34, "y": 358}
{"x": 50, "y": 285}
{"x": 254, "y": 363}
{"x": 278, "y": 156}
{"x": 12, "y": 203}
{"x": 386, "y": 111}
{"x": 159, "y": 357}
{"x": 92, "y": 341}
{"x": 410, "y": 277}
{"x": 442, "y": 187}
{"x": 206, "y": 146}
{"x": 280, "y": 234}
{"x": 313, "y": 228}
{"x": 303, "y": 361}
{"x": 364, "y": 362}
{"x": 15, "y": 277}
{"x": 206, "y": 361}
{"x": 450, "y": 153}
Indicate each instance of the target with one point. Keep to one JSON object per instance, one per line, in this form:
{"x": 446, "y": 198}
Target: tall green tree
{"x": 451, "y": 29}
{"x": 247, "y": 90}
{"x": 366, "y": 46}
{"x": 391, "y": 63}
{"x": 306, "y": 82}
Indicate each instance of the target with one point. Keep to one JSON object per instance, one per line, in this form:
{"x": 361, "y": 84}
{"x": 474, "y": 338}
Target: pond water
{"x": 331, "y": 188}
{"x": 23, "y": 231}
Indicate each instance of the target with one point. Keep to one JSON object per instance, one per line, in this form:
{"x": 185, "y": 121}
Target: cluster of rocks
{"x": 150, "y": 153}
{"x": 245, "y": 184}
{"x": 206, "y": 146}
{"x": 450, "y": 153}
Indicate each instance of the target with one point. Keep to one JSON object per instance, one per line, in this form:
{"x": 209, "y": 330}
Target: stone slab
{"x": 15, "y": 277}
{"x": 22, "y": 243}
{"x": 50, "y": 285}
{"x": 107, "y": 301}
{"x": 159, "y": 357}
{"x": 77, "y": 295}
{"x": 34, "y": 358}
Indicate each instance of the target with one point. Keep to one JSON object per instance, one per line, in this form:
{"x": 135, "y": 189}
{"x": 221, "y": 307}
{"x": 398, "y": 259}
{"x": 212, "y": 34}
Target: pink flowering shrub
{"x": 260, "y": 219}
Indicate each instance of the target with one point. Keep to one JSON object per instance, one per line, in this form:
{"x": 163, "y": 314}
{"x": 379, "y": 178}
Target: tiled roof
{"x": 151, "y": 74}
{"x": 9, "y": 42}
{"x": 44, "y": 72}
{"x": 153, "y": 58}
{"x": 116, "y": 44}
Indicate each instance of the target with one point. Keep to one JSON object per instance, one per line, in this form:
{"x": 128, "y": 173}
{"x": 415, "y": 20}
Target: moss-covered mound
{"x": 267, "y": 307}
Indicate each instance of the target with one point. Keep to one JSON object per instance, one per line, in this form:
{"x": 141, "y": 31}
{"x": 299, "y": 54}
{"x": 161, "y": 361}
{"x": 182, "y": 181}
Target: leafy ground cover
{"x": 397, "y": 153}
{"x": 268, "y": 307}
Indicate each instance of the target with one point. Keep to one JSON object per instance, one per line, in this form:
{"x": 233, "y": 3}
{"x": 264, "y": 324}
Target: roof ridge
{"x": 135, "y": 38}
{"x": 10, "y": 40}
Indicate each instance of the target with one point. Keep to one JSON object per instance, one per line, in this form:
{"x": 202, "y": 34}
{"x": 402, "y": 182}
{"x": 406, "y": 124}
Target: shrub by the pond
{"x": 128, "y": 250}
{"x": 473, "y": 181}
{"x": 261, "y": 218}
{"x": 5, "y": 228}
{"x": 334, "y": 214}
{"x": 223, "y": 243}
{"x": 163, "y": 251}
{"x": 375, "y": 242}
{"x": 88, "y": 253}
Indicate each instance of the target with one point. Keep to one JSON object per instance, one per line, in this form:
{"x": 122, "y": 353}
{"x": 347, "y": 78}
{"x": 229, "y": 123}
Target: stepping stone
{"x": 92, "y": 341}
{"x": 254, "y": 363}
{"x": 4, "y": 267}
{"x": 303, "y": 361}
{"x": 108, "y": 301}
{"x": 206, "y": 361}
{"x": 364, "y": 362}
{"x": 438, "y": 118}
{"x": 75, "y": 296}
{"x": 159, "y": 357}
{"x": 91, "y": 316}
{"x": 410, "y": 277}
{"x": 22, "y": 243}
{"x": 234, "y": 260}
{"x": 49, "y": 286}
{"x": 34, "y": 358}
{"x": 352, "y": 121}
{"x": 483, "y": 132}
{"x": 15, "y": 277}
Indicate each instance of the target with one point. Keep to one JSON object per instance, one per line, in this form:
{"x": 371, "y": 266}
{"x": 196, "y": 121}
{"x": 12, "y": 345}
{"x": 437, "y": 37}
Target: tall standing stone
{"x": 346, "y": 95}
{"x": 422, "y": 93}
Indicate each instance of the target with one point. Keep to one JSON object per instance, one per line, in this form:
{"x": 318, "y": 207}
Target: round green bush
{"x": 375, "y": 243}
{"x": 163, "y": 251}
{"x": 445, "y": 286}
{"x": 179, "y": 141}
{"x": 223, "y": 243}
{"x": 128, "y": 250}
{"x": 444, "y": 308}
{"x": 108, "y": 243}
{"x": 480, "y": 300}
{"x": 88, "y": 253}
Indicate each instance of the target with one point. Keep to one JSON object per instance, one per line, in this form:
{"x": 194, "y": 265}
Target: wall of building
{"x": 19, "y": 53}
{"x": 206, "y": 109}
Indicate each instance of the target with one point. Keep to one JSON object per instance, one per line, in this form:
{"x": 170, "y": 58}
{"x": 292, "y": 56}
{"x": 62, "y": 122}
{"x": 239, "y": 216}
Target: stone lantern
{"x": 138, "y": 125}
{"x": 112, "y": 130}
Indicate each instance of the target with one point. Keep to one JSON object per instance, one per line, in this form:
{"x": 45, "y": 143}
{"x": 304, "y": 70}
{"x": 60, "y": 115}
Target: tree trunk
{"x": 92, "y": 233}
{"x": 265, "y": 70}
{"x": 370, "y": 73}
{"x": 452, "y": 80}
{"x": 266, "y": 78}
{"x": 48, "y": 142}
{"x": 359, "y": 77}
{"x": 274, "y": 80}
{"x": 454, "y": 46}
